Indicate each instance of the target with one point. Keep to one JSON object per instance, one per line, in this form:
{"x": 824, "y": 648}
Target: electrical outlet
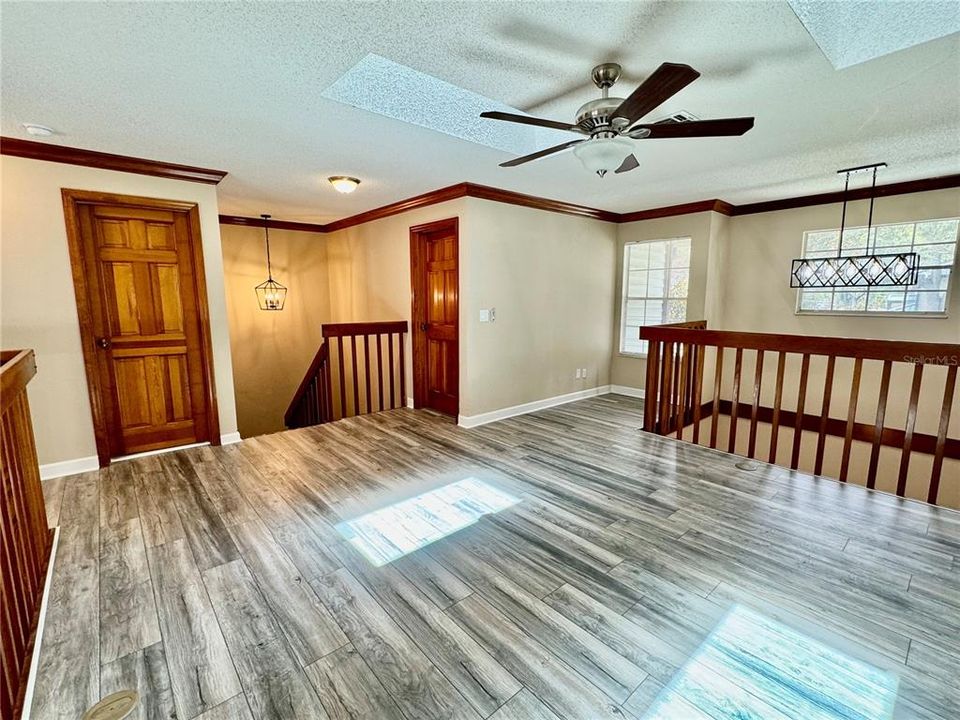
{"x": 577, "y": 375}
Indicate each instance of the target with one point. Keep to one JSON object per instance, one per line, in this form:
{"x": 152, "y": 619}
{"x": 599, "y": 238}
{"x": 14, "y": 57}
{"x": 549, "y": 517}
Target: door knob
{"x": 103, "y": 343}
{"x": 424, "y": 326}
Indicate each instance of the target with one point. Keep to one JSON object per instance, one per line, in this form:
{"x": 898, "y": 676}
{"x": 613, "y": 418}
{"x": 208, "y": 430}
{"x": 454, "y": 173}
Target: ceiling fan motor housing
{"x": 594, "y": 116}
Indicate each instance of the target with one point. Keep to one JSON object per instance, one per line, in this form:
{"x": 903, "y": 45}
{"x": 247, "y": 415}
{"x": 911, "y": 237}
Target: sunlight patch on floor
{"x": 403, "y": 527}
{"x": 753, "y": 667}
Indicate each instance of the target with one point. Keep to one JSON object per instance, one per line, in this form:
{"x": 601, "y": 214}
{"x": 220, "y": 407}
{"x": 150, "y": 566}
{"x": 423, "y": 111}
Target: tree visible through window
{"x": 656, "y": 280}
{"x": 934, "y": 240}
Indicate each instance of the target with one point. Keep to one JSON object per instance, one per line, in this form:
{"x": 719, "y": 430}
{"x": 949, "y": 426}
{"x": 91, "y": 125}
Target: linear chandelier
{"x": 270, "y": 294}
{"x": 890, "y": 269}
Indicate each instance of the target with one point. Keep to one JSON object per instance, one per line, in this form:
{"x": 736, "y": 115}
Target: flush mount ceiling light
{"x": 889, "y": 269}
{"x": 270, "y": 294}
{"x": 37, "y": 130}
{"x": 343, "y": 183}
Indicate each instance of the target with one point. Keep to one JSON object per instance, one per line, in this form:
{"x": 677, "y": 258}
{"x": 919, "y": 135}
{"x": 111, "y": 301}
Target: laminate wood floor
{"x": 213, "y": 581}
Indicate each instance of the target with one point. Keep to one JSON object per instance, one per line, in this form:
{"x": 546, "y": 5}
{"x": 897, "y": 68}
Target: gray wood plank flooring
{"x": 214, "y": 581}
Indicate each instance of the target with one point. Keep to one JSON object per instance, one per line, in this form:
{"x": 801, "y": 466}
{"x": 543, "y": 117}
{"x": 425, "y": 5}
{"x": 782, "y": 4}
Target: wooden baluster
{"x": 366, "y": 369}
{"x": 851, "y": 419}
{"x": 824, "y": 414}
{"x": 698, "y": 393}
{"x": 343, "y": 387}
{"x": 649, "y": 387}
{"x": 735, "y": 401}
{"x": 878, "y": 425}
{"x": 677, "y": 386}
{"x": 777, "y": 402}
{"x": 681, "y": 403}
{"x": 393, "y": 392}
{"x": 801, "y": 402}
{"x": 755, "y": 410}
{"x": 934, "y": 489}
{"x": 356, "y": 377}
{"x": 666, "y": 367}
{"x": 327, "y": 374}
{"x": 403, "y": 374}
{"x": 908, "y": 433}
{"x": 718, "y": 377}
{"x": 380, "y": 370}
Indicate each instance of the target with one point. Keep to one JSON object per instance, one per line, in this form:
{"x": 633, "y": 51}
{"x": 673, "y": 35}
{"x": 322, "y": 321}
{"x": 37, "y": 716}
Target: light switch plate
{"x": 488, "y": 315}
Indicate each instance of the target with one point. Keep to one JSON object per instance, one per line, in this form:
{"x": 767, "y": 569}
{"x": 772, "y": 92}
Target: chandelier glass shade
{"x": 869, "y": 270}
{"x": 271, "y": 295}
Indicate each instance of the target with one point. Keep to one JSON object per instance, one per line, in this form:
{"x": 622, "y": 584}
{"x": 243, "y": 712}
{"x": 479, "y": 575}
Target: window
{"x": 656, "y": 279}
{"x": 934, "y": 240}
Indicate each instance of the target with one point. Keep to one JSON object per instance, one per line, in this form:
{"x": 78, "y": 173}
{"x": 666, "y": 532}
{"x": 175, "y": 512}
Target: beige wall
{"x": 272, "y": 350}
{"x": 37, "y": 305}
{"x": 548, "y": 276}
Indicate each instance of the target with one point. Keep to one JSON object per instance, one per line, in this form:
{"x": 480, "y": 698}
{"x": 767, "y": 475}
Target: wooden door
{"x": 141, "y": 298}
{"x": 434, "y": 250}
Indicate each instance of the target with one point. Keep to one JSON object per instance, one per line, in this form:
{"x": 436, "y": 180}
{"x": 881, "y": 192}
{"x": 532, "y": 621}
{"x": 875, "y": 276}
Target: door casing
{"x": 419, "y": 307}
{"x": 87, "y": 305}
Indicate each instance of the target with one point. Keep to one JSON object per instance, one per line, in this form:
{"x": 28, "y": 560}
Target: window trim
{"x": 899, "y": 315}
{"x": 624, "y": 285}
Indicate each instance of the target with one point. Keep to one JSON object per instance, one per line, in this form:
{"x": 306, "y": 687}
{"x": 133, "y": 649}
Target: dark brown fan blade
{"x": 525, "y": 120}
{"x": 697, "y": 128}
{"x": 629, "y": 163}
{"x": 665, "y": 82}
{"x": 540, "y": 153}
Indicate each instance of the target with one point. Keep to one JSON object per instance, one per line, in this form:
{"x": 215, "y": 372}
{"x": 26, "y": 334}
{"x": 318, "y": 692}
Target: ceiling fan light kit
{"x": 609, "y": 122}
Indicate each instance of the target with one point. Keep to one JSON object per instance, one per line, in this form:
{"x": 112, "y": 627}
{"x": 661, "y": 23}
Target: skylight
{"x": 402, "y": 93}
{"x": 849, "y": 33}
{"x": 753, "y": 667}
{"x": 399, "y": 529}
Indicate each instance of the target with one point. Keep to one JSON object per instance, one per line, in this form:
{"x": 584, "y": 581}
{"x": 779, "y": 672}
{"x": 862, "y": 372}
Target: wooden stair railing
{"x": 25, "y": 540}
{"x": 358, "y": 369}
{"x": 680, "y": 392}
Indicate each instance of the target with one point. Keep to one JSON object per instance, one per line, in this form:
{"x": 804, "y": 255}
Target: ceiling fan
{"x": 609, "y": 122}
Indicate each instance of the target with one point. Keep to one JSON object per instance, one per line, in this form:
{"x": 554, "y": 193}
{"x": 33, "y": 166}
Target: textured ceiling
{"x": 239, "y": 87}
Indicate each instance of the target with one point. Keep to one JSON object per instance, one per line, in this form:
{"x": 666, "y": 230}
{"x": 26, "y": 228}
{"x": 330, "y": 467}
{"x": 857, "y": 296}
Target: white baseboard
{"x": 470, "y": 421}
{"x": 410, "y": 403}
{"x": 627, "y": 390}
{"x": 38, "y": 638}
{"x": 69, "y": 467}
{"x": 230, "y": 438}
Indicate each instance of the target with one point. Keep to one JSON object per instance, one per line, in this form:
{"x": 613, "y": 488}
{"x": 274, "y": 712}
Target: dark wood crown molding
{"x": 509, "y": 197}
{"x": 900, "y": 188}
{"x": 107, "y": 161}
{"x": 718, "y": 206}
{"x": 272, "y": 224}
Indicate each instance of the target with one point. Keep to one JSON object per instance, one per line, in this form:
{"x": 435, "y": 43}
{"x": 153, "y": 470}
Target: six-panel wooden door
{"x": 435, "y": 277}
{"x": 143, "y": 295}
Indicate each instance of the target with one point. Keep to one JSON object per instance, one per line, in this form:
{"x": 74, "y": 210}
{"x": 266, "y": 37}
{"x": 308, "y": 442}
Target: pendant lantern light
{"x": 870, "y": 270}
{"x": 270, "y": 294}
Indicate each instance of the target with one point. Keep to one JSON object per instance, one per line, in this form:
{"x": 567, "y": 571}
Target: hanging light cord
{"x": 843, "y": 216}
{"x": 266, "y": 235}
{"x": 873, "y": 188}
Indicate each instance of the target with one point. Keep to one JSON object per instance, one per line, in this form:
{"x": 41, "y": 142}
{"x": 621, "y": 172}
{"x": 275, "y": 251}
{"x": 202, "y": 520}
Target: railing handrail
{"x": 675, "y": 395}
{"x": 17, "y": 367}
{"x": 866, "y": 349}
{"x": 363, "y": 328}
{"x": 318, "y": 360}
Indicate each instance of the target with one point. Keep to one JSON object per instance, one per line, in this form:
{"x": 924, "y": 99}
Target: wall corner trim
{"x": 230, "y": 438}
{"x": 69, "y": 467}
{"x": 51, "y": 152}
{"x": 472, "y": 421}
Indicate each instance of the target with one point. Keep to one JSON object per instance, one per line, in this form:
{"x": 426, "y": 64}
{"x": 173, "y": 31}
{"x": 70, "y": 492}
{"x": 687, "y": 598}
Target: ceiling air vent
{"x": 682, "y": 116}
